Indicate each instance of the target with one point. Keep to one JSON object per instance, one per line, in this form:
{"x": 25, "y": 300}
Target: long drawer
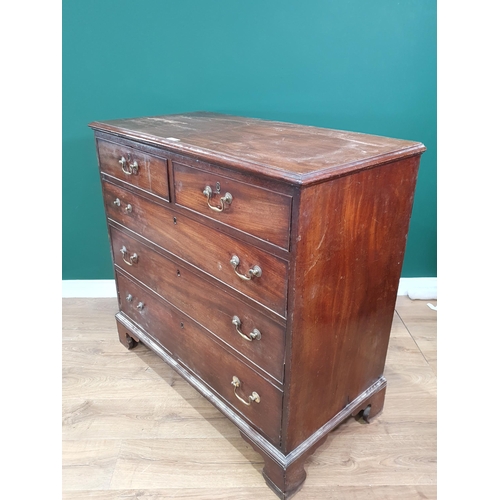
{"x": 213, "y": 252}
{"x": 200, "y": 299}
{"x": 216, "y": 366}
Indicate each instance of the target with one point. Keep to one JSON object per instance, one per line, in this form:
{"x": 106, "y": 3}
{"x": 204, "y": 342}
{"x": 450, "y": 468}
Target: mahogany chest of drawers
{"x": 261, "y": 261}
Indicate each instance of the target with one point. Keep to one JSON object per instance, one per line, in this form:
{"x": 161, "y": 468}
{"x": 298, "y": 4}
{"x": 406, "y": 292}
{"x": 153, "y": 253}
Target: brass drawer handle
{"x": 139, "y": 306}
{"x": 127, "y": 168}
{"x": 132, "y": 259}
{"x": 118, "y": 203}
{"x": 253, "y": 397}
{"x": 254, "y": 334}
{"x": 227, "y": 199}
{"x": 255, "y": 272}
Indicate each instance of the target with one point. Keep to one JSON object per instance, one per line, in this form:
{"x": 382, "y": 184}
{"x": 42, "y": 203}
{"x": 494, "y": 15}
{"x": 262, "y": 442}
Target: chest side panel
{"x": 349, "y": 249}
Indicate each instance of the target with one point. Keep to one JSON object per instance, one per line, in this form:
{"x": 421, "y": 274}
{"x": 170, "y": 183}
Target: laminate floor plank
{"x": 89, "y": 464}
{"x": 89, "y": 314}
{"x": 420, "y": 321}
{"x": 132, "y": 428}
{"x": 189, "y": 463}
{"x": 382, "y": 492}
{"x": 148, "y": 418}
{"x": 215, "y": 493}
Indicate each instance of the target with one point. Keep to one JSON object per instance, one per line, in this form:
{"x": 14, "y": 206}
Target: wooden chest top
{"x": 297, "y": 154}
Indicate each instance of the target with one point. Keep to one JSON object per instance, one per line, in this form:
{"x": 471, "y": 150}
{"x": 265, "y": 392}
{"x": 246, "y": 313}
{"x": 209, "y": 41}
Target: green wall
{"x": 360, "y": 65}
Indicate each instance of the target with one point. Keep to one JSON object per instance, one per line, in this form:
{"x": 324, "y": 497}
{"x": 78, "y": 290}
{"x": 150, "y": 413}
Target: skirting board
{"x": 88, "y": 288}
{"x": 418, "y": 288}
{"x": 415, "y": 288}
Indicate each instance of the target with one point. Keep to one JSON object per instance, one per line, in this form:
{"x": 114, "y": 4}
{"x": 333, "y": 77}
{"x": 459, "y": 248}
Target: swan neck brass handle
{"x": 226, "y": 199}
{"x": 255, "y": 272}
{"x": 131, "y": 260}
{"x": 127, "y": 167}
{"x": 253, "y": 397}
{"x": 254, "y": 334}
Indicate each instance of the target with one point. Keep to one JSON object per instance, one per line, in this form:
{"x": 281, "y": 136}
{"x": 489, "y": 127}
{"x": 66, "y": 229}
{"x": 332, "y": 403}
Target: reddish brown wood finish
{"x": 259, "y": 212}
{"x": 185, "y": 340}
{"x": 200, "y": 299}
{"x": 201, "y": 246}
{"x": 372, "y": 407}
{"x": 324, "y": 213}
{"x": 126, "y": 338}
{"x": 348, "y": 255}
{"x": 285, "y": 151}
{"x": 151, "y": 173}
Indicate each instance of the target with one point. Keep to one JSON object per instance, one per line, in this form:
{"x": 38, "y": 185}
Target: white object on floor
{"x": 432, "y": 306}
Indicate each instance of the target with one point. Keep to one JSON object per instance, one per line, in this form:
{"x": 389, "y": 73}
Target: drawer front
{"x": 252, "y": 209}
{"x": 210, "y": 306}
{"x": 135, "y": 167}
{"x": 203, "y": 247}
{"x": 187, "y": 342}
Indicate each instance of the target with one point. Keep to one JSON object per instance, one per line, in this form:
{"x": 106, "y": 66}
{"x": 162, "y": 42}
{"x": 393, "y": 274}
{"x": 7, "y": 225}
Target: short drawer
{"x": 256, "y": 337}
{"x": 142, "y": 170}
{"x": 227, "y": 259}
{"x": 213, "y": 364}
{"x": 249, "y": 208}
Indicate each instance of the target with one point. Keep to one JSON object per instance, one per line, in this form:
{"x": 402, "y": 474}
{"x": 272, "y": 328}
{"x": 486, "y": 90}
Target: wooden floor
{"x": 133, "y": 429}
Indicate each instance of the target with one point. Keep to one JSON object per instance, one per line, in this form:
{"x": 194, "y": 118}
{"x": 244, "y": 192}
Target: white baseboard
{"x": 415, "y": 288}
{"x": 418, "y": 288}
{"x": 88, "y": 288}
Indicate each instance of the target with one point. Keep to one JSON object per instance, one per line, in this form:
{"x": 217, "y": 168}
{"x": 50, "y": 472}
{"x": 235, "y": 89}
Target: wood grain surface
{"x": 345, "y": 276}
{"x": 212, "y": 307}
{"x": 291, "y": 152}
{"x": 203, "y": 247}
{"x": 132, "y": 428}
{"x": 259, "y": 212}
{"x": 151, "y": 173}
{"x": 211, "y": 362}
